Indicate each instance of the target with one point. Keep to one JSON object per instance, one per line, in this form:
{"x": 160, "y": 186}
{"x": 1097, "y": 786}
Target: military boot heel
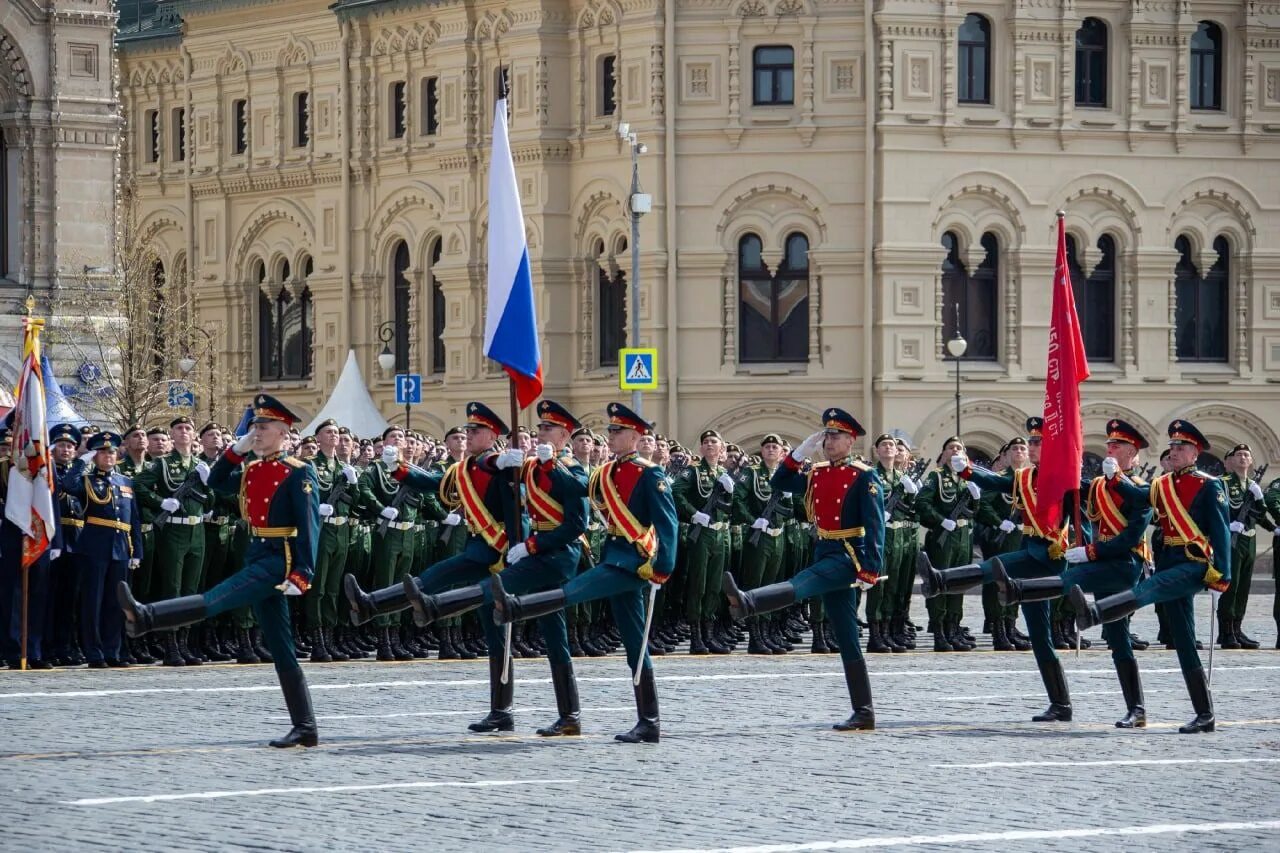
{"x": 1055, "y": 684}
{"x": 297, "y": 698}
{"x": 1201, "y": 701}
{"x": 646, "y": 729}
{"x": 864, "y": 716}
{"x": 501, "y": 698}
{"x": 1131, "y": 687}
{"x": 566, "y": 689}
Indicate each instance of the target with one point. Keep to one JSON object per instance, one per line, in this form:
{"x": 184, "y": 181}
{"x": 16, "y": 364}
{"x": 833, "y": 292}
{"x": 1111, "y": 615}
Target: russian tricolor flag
{"x": 510, "y": 325}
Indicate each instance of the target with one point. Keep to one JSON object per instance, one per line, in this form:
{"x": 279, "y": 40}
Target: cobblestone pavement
{"x": 158, "y": 759}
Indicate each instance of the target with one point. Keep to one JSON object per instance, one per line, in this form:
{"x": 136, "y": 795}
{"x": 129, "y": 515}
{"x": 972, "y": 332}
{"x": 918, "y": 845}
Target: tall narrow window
{"x": 397, "y": 122}
{"x": 1096, "y": 298}
{"x": 400, "y": 300}
{"x": 437, "y": 313}
{"x": 430, "y": 106}
{"x": 974, "y": 72}
{"x": 239, "y": 126}
{"x": 1206, "y": 67}
{"x": 611, "y": 313}
{"x": 1200, "y": 319}
{"x": 975, "y": 294}
{"x": 774, "y": 72}
{"x": 266, "y": 324}
{"x": 301, "y": 119}
{"x": 295, "y": 327}
{"x": 179, "y": 126}
{"x": 151, "y": 126}
{"x": 608, "y": 101}
{"x": 1091, "y": 63}
{"x": 773, "y": 306}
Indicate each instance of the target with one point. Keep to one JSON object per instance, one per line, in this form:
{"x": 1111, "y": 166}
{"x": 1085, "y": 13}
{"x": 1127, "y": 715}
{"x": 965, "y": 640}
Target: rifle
{"x": 1246, "y": 505}
{"x": 401, "y": 495}
{"x": 959, "y": 511}
{"x": 339, "y": 491}
{"x": 184, "y": 491}
{"x": 695, "y": 531}
{"x": 770, "y": 508}
{"x": 914, "y": 472}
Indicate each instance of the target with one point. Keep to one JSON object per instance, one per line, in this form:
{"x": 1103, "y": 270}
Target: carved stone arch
{"x": 1102, "y": 200}
{"x": 417, "y": 203}
{"x": 773, "y": 202}
{"x": 986, "y": 424}
{"x": 1210, "y": 212}
{"x": 422, "y": 250}
{"x": 234, "y": 61}
{"x": 280, "y": 211}
{"x": 792, "y": 8}
{"x": 1226, "y": 425}
{"x": 428, "y": 35}
{"x": 16, "y": 84}
{"x": 601, "y": 209}
{"x": 135, "y": 78}
{"x": 980, "y": 194}
{"x": 456, "y": 244}
{"x": 586, "y": 18}
{"x": 384, "y": 250}
{"x": 751, "y": 9}
{"x": 1096, "y": 415}
{"x": 150, "y": 78}
{"x": 755, "y": 419}
{"x": 298, "y": 50}
{"x": 380, "y": 47}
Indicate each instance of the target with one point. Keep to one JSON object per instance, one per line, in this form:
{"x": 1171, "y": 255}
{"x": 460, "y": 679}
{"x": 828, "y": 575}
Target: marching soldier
{"x": 846, "y": 501}
{"x": 636, "y": 501}
{"x": 1194, "y": 554}
{"x": 703, "y": 496}
{"x": 555, "y": 487}
{"x": 338, "y": 493}
{"x": 886, "y": 633}
{"x": 1241, "y": 487}
{"x": 132, "y": 458}
{"x": 450, "y": 542}
{"x": 947, "y": 511}
{"x": 109, "y": 547}
{"x": 281, "y": 499}
{"x": 766, "y": 513}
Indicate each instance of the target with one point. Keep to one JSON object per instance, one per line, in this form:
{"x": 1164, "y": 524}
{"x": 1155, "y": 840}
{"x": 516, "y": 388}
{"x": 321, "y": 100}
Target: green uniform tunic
{"x": 938, "y": 496}
{"x": 761, "y": 560}
{"x": 705, "y": 558}
{"x": 179, "y": 544}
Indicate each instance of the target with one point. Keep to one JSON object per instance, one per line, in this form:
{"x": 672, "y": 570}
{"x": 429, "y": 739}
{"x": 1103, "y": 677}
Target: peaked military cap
{"x": 1035, "y": 427}
{"x": 1185, "y": 432}
{"x": 551, "y": 412}
{"x": 267, "y": 408}
{"x": 838, "y": 420}
{"x": 64, "y": 432}
{"x": 182, "y": 419}
{"x": 211, "y": 425}
{"x": 1233, "y": 451}
{"x": 480, "y": 415}
{"x": 884, "y": 436}
{"x": 457, "y": 430}
{"x": 771, "y": 438}
{"x": 1118, "y": 430}
{"x": 106, "y": 441}
{"x": 621, "y": 417}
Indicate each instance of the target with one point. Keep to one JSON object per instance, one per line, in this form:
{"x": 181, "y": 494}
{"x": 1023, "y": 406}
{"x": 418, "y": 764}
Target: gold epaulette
{"x": 293, "y": 462}
{"x": 861, "y": 466}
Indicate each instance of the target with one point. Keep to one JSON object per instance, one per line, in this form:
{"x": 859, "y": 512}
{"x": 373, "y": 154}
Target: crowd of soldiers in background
{"x": 730, "y": 519}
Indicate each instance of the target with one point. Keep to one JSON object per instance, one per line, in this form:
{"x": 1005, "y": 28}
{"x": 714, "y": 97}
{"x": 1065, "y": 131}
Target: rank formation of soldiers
{"x": 181, "y": 545}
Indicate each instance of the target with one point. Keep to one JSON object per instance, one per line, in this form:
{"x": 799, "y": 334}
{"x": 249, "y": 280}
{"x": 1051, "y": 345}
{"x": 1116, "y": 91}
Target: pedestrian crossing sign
{"x": 639, "y": 369}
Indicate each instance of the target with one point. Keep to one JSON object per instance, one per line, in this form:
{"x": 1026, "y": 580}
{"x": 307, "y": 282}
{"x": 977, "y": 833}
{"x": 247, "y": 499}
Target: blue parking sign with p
{"x": 639, "y": 369}
{"x": 408, "y": 388}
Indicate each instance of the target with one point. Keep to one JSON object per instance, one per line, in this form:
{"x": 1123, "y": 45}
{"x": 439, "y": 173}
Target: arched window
{"x": 267, "y": 365}
{"x": 1096, "y": 298}
{"x": 437, "y": 312}
{"x": 400, "y": 298}
{"x": 976, "y": 296}
{"x": 285, "y": 325}
{"x": 1091, "y": 63}
{"x": 773, "y": 307}
{"x": 1200, "y": 320}
{"x": 297, "y": 323}
{"x": 611, "y": 311}
{"x": 974, "y": 74}
{"x": 1206, "y": 67}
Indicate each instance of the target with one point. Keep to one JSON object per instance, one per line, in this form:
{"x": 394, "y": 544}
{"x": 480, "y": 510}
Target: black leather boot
{"x": 213, "y": 649}
{"x": 1055, "y": 684}
{"x": 521, "y": 608}
{"x": 1245, "y": 641}
{"x": 1058, "y": 638}
{"x": 260, "y": 647}
{"x": 501, "y": 698}
{"x": 714, "y": 644}
{"x": 566, "y": 689}
{"x": 1131, "y": 687}
{"x": 244, "y": 647}
{"x": 819, "y": 645}
{"x": 887, "y": 637}
{"x": 319, "y": 652}
{"x": 1017, "y": 590}
{"x": 160, "y": 616}
{"x": 875, "y": 644}
{"x": 298, "y": 700}
{"x": 1201, "y": 701}
{"x": 646, "y": 729}
{"x": 366, "y": 605}
{"x": 755, "y": 645}
{"x": 864, "y": 716}
{"x": 1016, "y": 637}
{"x": 697, "y": 646}
{"x": 384, "y": 645}
{"x": 448, "y": 651}
{"x": 332, "y": 646}
{"x": 1102, "y": 610}
{"x": 190, "y": 657}
{"x": 999, "y": 637}
{"x": 934, "y": 582}
{"x": 172, "y": 651}
{"x": 762, "y": 600}
{"x": 428, "y": 609}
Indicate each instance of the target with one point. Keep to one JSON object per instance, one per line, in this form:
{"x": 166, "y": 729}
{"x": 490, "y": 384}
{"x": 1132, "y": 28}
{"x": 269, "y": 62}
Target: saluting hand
{"x": 1110, "y": 467}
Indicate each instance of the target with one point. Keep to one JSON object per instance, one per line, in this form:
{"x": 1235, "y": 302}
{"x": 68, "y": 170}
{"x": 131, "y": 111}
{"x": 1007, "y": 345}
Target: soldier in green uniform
{"x": 218, "y": 531}
{"x": 451, "y": 540}
{"x": 179, "y": 542}
{"x": 338, "y": 492}
{"x": 904, "y": 631}
{"x": 1241, "y": 487}
{"x": 133, "y": 458}
{"x": 703, "y": 495}
{"x": 949, "y": 541}
{"x": 765, "y": 517}
{"x": 1003, "y": 536}
{"x": 886, "y": 634}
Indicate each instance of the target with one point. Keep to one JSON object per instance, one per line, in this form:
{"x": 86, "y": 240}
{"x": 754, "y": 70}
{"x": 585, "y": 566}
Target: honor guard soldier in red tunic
{"x": 845, "y": 499}
{"x": 279, "y": 498}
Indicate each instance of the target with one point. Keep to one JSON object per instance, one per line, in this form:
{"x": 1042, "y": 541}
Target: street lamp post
{"x": 387, "y": 359}
{"x": 638, "y": 204}
{"x": 957, "y": 346}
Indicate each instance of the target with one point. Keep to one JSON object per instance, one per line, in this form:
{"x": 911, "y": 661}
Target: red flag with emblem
{"x": 29, "y": 504}
{"x": 1062, "y": 443}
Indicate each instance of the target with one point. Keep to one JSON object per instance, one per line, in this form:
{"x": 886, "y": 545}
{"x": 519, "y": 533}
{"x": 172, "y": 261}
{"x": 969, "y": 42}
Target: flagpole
{"x": 513, "y": 535}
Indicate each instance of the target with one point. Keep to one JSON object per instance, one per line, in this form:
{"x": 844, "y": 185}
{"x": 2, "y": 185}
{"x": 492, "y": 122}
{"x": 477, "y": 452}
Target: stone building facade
{"x": 832, "y": 182}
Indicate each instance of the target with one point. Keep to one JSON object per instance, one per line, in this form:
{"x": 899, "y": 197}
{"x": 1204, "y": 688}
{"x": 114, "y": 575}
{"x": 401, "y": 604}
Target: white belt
{"x": 775, "y": 532}
{"x": 221, "y": 520}
{"x": 399, "y": 525}
{"x": 185, "y": 519}
{"x": 336, "y": 520}
{"x": 715, "y": 525}
{"x": 1251, "y": 532}
{"x": 805, "y": 525}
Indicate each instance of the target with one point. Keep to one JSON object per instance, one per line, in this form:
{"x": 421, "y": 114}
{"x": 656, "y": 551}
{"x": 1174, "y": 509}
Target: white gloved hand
{"x": 888, "y": 517}
{"x": 516, "y": 553}
{"x": 760, "y": 524}
{"x": 1256, "y": 491}
{"x": 701, "y": 518}
{"x": 326, "y": 510}
{"x": 959, "y": 462}
{"x": 545, "y": 452}
{"x": 726, "y": 482}
{"x": 1007, "y": 526}
{"x": 1110, "y": 467}
{"x": 390, "y": 513}
{"x": 202, "y": 471}
{"x": 1077, "y": 555}
{"x": 243, "y": 444}
{"x": 170, "y": 505}
{"x": 1237, "y": 527}
{"x": 509, "y": 458}
{"x": 289, "y": 588}
{"x": 807, "y": 447}
{"x": 134, "y": 563}
{"x": 974, "y": 491}
{"x": 55, "y": 553}
{"x": 909, "y": 485}
{"x": 208, "y": 516}
{"x": 453, "y": 519}
{"x": 391, "y": 456}
{"x": 350, "y": 473}
{"x": 948, "y": 524}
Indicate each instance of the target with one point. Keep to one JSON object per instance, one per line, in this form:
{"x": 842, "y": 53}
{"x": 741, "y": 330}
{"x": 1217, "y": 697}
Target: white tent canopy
{"x": 350, "y": 404}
